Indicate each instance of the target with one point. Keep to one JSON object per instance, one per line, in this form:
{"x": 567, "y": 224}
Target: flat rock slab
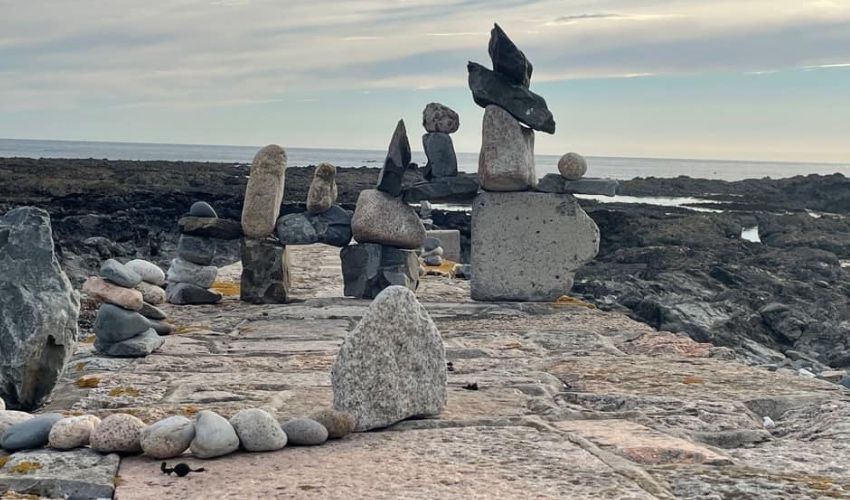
{"x": 79, "y": 473}
{"x": 643, "y": 445}
{"x": 506, "y": 462}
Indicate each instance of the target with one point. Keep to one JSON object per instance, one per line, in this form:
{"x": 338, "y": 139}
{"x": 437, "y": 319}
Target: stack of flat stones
{"x": 265, "y": 269}
{"x": 442, "y": 180}
{"x": 324, "y": 221}
{"x": 192, "y": 274}
{"x": 388, "y": 231}
{"x": 525, "y": 244}
{"x": 121, "y": 330}
{"x": 432, "y": 252}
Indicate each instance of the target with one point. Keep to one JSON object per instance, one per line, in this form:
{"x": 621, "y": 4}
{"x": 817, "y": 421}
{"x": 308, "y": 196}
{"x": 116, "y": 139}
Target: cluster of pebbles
{"x": 192, "y": 274}
{"x": 209, "y": 435}
{"x": 128, "y": 323}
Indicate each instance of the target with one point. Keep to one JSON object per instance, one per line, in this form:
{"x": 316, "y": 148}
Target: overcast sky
{"x": 741, "y": 79}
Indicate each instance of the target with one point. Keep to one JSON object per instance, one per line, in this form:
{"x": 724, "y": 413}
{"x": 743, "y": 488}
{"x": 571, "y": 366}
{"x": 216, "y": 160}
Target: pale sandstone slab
{"x": 477, "y": 462}
{"x": 643, "y": 445}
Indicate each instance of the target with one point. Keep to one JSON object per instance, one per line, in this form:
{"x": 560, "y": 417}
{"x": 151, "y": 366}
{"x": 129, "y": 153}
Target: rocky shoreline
{"x": 783, "y": 301}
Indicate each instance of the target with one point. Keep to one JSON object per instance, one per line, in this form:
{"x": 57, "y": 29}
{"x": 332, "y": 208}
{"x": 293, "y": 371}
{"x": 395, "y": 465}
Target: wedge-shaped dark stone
{"x": 398, "y": 158}
{"x": 489, "y": 88}
{"x": 507, "y": 59}
{"x": 224, "y": 229}
{"x": 462, "y": 188}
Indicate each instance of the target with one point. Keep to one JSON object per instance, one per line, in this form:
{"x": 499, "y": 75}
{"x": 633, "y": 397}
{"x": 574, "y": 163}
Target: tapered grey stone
{"x": 135, "y": 347}
{"x": 29, "y": 434}
{"x": 114, "y": 324}
{"x": 392, "y": 366}
{"x": 265, "y": 272}
{"x": 323, "y": 190}
{"x": 369, "y": 268}
{"x": 506, "y": 162}
{"x": 264, "y": 192}
{"x": 440, "y": 151}
{"x": 196, "y": 249}
{"x": 183, "y": 271}
{"x": 152, "y": 312}
{"x": 38, "y": 310}
{"x": 507, "y": 59}
{"x": 489, "y": 88}
{"x": 396, "y": 162}
{"x": 527, "y": 246}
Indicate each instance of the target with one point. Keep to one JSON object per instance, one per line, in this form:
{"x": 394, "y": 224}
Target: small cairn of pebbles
{"x": 192, "y": 274}
{"x": 432, "y": 252}
{"x": 120, "y": 329}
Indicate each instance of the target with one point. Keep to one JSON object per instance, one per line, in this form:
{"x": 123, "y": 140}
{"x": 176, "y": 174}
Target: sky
{"x": 724, "y": 79}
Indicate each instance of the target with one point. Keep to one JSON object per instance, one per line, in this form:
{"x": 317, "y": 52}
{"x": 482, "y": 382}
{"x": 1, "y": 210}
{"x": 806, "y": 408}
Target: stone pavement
{"x": 571, "y": 402}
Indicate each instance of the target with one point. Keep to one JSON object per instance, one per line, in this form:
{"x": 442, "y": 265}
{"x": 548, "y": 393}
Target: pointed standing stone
{"x": 508, "y": 60}
{"x": 398, "y": 158}
{"x": 506, "y": 162}
{"x": 264, "y": 192}
{"x": 392, "y": 366}
{"x": 442, "y": 160}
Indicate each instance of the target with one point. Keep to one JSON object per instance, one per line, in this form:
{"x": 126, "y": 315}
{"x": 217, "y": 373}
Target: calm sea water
{"x": 618, "y": 168}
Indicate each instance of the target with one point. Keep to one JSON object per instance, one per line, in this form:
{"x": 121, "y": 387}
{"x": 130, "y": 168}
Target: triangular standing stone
{"x": 398, "y": 158}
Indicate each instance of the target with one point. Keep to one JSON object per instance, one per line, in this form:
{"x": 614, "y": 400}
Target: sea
{"x": 598, "y": 166}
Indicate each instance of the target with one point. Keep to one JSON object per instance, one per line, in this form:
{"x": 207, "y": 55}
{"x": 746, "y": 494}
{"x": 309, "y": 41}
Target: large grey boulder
{"x": 392, "y": 366}
{"x": 440, "y": 151}
{"x": 506, "y": 162}
{"x": 331, "y": 227}
{"x": 82, "y": 473}
{"x": 265, "y": 272}
{"x": 264, "y": 192}
{"x": 527, "y": 246}
{"x": 381, "y": 218}
{"x": 214, "y": 436}
{"x": 38, "y": 310}
{"x": 323, "y": 190}
{"x": 369, "y": 268}
{"x": 396, "y": 162}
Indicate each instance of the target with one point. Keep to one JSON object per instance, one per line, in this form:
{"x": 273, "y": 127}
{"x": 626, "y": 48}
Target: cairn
{"x": 526, "y": 245}
{"x": 324, "y": 221}
{"x": 265, "y": 270}
{"x": 120, "y": 329}
{"x": 388, "y": 231}
{"x": 192, "y": 273}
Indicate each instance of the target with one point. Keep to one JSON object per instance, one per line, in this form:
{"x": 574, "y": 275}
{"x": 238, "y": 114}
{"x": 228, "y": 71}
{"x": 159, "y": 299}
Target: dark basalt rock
{"x": 136, "y": 347}
{"x": 265, "y": 273}
{"x": 183, "y": 294}
{"x": 396, "y": 163}
{"x": 332, "y": 227}
{"x": 489, "y": 88}
{"x": 507, "y": 59}
{"x": 114, "y": 324}
{"x": 196, "y": 249}
{"x": 462, "y": 188}
{"x": 368, "y": 268}
{"x": 223, "y": 229}
{"x": 442, "y": 160}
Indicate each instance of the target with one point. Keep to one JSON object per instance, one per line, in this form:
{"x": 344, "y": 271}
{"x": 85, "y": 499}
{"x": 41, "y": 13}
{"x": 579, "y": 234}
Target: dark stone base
{"x": 555, "y": 183}
{"x": 368, "y": 268}
{"x": 184, "y": 294}
{"x": 331, "y": 228}
{"x": 210, "y": 227}
{"x": 462, "y": 188}
{"x": 265, "y": 273}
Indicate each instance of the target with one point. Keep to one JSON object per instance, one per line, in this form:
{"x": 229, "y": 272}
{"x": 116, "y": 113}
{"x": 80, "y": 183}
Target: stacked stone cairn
{"x": 265, "y": 269}
{"x": 121, "y": 330}
{"x": 432, "y": 252}
{"x": 192, "y": 274}
{"x": 324, "y": 221}
{"x": 388, "y": 231}
{"x": 526, "y": 245}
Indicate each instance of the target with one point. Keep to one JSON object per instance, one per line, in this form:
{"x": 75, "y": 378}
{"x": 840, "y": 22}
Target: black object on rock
{"x": 397, "y": 161}
{"x": 180, "y": 469}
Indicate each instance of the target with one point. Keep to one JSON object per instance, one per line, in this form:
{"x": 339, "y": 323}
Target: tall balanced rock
{"x": 38, "y": 310}
{"x": 392, "y": 366}
{"x": 396, "y": 163}
{"x": 506, "y": 162}
{"x": 264, "y": 192}
{"x": 507, "y": 59}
